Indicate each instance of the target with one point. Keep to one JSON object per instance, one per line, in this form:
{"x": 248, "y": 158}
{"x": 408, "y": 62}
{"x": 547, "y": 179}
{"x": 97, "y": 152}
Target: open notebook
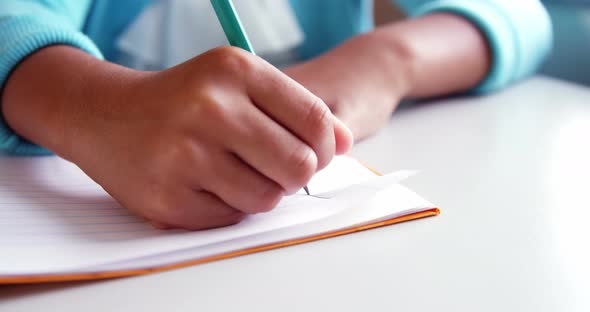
{"x": 56, "y": 224}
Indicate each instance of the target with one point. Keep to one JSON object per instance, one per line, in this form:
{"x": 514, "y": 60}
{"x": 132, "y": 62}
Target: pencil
{"x": 231, "y": 24}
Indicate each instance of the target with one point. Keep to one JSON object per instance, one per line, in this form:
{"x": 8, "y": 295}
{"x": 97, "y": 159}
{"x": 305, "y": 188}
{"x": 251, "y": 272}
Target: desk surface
{"x": 510, "y": 172}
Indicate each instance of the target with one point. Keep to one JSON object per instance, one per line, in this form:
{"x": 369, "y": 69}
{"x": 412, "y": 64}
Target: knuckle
{"x": 304, "y": 164}
{"x": 319, "y": 121}
{"x": 268, "y": 197}
{"x": 163, "y": 206}
{"x": 177, "y": 151}
{"x": 173, "y": 213}
{"x": 204, "y": 224}
{"x": 213, "y": 109}
{"x": 160, "y": 226}
{"x": 232, "y": 59}
{"x": 234, "y": 218}
{"x": 318, "y": 117}
{"x": 161, "y": 209}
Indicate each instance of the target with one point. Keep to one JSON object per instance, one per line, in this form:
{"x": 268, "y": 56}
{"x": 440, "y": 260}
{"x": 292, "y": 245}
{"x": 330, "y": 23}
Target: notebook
{"x": 56, "y": 224}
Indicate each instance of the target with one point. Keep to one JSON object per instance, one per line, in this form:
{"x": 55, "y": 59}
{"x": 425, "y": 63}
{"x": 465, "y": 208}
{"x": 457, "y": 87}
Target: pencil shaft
{"x": 231, "y": 24}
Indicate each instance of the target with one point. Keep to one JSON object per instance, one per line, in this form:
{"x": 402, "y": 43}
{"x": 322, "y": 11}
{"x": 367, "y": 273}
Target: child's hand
{"x": 360, "y": 81}
{"x": 206, "y": 142}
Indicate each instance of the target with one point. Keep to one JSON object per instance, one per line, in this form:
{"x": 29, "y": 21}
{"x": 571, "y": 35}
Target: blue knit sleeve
{"x": 27, "y": 26}
{"x": 519, "y": 35}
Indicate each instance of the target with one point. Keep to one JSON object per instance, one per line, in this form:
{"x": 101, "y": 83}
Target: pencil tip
{"x": 306, "y": 189}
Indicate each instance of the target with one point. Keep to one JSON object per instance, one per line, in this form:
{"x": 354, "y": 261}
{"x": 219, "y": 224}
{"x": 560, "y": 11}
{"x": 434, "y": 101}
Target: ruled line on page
{"x": 45, "y": 199}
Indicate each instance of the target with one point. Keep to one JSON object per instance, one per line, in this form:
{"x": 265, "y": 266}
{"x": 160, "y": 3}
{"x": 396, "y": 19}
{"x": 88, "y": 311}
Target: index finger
{"x": 295, "y": 108}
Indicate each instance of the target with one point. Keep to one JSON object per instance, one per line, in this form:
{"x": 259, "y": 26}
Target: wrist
{"x": 443, "y": 53}
{"x": 65, "y": 98}
{"x": 395, "y": 60}
{"x": 105, "y": 95}
{"x": 35, "y": 116}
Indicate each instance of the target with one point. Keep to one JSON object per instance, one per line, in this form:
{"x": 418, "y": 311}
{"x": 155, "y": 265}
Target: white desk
{"x": 511, "y": 174}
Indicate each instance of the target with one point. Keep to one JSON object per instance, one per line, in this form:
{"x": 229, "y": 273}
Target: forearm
{"x": 443, "y": 53}
{"x": 48, "y": 94}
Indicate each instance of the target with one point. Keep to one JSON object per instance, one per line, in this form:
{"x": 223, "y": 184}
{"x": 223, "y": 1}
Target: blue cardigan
{"x": 519, "y": 36}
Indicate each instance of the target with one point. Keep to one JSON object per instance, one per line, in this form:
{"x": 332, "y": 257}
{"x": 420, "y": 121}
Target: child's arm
{"x": 195, "y": 146}
{"x": 363, "y": 79}
{"x": 444, "y": 52}
{"x": 27, "y": 26}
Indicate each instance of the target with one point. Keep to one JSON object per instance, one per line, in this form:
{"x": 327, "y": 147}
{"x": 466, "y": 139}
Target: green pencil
{"x": 230, "y": 22}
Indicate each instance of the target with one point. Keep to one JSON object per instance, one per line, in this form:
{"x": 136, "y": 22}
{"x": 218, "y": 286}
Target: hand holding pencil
{"x": 196, "y": 146}
{"x": 234, "y": 30}
{"x": 209, "y": 141}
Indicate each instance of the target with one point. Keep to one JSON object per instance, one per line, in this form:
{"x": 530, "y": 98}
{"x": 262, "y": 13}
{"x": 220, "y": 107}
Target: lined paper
{"x": 49, "y": 200}
{"x": 53, "y": 218}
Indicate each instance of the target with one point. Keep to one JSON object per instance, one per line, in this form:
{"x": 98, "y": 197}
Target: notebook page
{"x": 54, "y": 218}
{"x": 393, "y": 201}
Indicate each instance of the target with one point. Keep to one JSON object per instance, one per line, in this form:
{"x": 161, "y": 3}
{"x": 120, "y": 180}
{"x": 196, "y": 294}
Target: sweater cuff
{"x": 519, "y": 36}
{"x": 20, "y": 36}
